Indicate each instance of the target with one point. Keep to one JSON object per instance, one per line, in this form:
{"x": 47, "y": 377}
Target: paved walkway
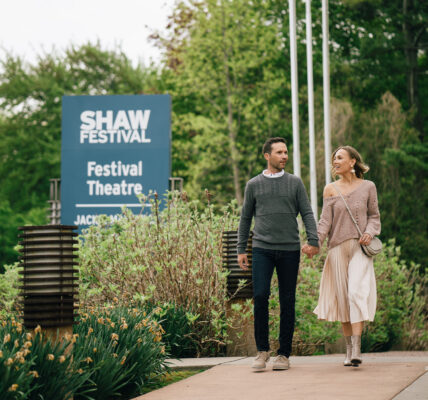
{"x": 382, "y": 376}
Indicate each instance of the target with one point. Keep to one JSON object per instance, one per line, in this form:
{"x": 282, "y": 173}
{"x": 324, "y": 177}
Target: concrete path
{"x": 382, "y": 376}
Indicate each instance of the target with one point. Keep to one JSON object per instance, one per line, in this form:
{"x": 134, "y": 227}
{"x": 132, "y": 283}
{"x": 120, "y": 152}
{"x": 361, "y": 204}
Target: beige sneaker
{"x": 261, "y": 360}
{"x": 281, "y": 362}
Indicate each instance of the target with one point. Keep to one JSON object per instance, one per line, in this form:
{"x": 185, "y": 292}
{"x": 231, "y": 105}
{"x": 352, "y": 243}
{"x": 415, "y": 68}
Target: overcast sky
{"x": 29, "y": 27}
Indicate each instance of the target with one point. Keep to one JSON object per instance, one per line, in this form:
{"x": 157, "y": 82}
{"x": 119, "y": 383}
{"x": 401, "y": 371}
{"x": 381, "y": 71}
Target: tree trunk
{"x": 412, "y": 36}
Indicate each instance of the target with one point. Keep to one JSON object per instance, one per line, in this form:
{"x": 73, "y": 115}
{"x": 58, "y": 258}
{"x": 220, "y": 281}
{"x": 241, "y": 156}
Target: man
{"x": 275, "y": 198}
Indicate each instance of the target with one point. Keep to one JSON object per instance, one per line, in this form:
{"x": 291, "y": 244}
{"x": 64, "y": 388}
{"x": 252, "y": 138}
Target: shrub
{"x": 171, "y": 256}
{"x": 9, "y": 281}
{"x": 16, "y": 362}
{"x": 121, "y": 347}
{"x": 401, "y": 315}
{"x": 179, "y": 337}
{"x": 28, "y": 361}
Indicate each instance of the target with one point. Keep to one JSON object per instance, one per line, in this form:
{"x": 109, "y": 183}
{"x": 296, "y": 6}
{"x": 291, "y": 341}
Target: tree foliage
{"x": 227, "y": 66}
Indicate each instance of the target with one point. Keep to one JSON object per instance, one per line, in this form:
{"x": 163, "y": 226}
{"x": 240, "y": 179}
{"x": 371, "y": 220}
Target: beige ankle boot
{"x": 356, "y": 350}
{"x": 347, "y": 362}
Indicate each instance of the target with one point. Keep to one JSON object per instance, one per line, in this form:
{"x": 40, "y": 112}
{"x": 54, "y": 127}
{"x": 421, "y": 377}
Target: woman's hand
{"x": 366, "y": 239}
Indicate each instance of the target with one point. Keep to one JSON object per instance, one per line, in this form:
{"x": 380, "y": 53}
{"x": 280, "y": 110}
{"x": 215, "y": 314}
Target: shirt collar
{"x": 268, "y": 174}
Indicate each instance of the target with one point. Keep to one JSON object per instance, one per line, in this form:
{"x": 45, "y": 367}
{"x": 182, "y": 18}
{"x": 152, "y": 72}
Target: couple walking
{"x": 348, "y": 287}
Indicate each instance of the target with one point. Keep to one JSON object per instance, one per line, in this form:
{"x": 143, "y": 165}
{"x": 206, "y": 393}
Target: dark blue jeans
{"x": 287, "y": 268}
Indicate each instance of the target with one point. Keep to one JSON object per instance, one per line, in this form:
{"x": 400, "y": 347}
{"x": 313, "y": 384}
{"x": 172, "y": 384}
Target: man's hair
{"x": 267, "y": 147}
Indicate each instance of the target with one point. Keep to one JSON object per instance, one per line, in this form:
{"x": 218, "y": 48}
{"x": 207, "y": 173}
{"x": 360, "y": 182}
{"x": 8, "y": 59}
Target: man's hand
{"x": 309, "y": 250}
{"x": 243, "y": 261}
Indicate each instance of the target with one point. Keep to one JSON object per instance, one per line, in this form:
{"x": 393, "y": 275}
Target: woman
{"x": 348, "y": 283}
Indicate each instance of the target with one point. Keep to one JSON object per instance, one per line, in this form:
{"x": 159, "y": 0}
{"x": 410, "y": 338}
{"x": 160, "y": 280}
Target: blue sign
{"x": 113, "y": 149}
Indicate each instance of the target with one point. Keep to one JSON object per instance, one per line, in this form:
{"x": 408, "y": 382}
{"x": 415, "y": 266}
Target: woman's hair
{"x": 360, "y": 167}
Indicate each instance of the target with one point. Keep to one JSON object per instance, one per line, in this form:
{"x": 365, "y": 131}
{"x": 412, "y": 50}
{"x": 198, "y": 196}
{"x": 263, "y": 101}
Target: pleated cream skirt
{"x": 348, "y": 285}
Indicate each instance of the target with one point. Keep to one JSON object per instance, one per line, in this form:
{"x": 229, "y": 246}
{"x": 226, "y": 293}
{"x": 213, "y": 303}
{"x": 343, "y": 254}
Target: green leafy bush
{"x": 170, "y": 256}
{"x": 9, "y": 290}
{"x": 16, "y": 362}
{"x": 179, "y": 337}
{"x": 114, "y": 352}
{"x": 122, "y": 349}
{"x": 28, "y": 363}
{"x": 401, "y": 314}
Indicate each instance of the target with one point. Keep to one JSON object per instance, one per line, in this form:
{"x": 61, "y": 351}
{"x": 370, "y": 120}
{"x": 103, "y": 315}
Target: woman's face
{"x": 342, "y": 162}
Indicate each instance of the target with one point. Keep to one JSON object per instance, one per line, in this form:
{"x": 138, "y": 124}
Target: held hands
{"x": 366, "y": 239}
{"x": 243, "y": 261}
{"x": 309, "y": 250}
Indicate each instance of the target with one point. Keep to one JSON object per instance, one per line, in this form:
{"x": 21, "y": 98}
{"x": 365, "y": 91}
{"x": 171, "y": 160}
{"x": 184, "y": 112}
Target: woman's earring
{"x": 353, "y": 170}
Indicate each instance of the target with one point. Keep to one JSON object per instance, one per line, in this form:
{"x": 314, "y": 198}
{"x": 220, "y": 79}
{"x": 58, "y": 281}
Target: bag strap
{"x": 349, "y": 211}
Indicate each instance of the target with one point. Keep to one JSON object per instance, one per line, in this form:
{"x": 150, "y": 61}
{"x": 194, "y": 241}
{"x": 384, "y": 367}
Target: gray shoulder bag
{"x": 375, "y": 246}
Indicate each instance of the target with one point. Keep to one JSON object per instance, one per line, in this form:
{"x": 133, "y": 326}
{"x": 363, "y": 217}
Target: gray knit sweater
{"x": 275, "y": 204}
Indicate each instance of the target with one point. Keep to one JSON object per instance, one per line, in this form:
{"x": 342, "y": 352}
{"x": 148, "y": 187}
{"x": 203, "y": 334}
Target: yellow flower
{"x": 34, "y": 373}
{"x": 80, "y": 371}
{"x": 50, "y": 357}
{"x": 6, "y": 338}
{"x": 89, "y": 360}
{"x": 163, "y": 350}
{"x": 124, "y": 326}
{"x": 115, "y": 299}
{"x": 13, "y": 388}
{"x": 9, "y": 361}
{"x": 114, "y": 336}
{"x": 95, "y": 349}
{"x": 26, "y": 352}
{"x": 1, "y": 354}
{"x": 90, "y": 330}
{"x": 27, "y": 344}
{"x": 61, "y": 359}
{"x": 29, "y": 336}
{"x": 139, "y": 340}
{"x": 114, "y": 355}
{"x": 122, "y": 361}
{"x": 100, "y": 320}
{"x": 19, "y": 328}
{"x": 38, "y": 329}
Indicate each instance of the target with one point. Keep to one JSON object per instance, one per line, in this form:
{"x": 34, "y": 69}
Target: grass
{"x": 170, "y": 377}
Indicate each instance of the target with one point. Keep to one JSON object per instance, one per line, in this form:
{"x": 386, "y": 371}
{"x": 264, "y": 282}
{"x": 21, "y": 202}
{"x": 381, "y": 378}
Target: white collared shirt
{"x": 268, "y": 174}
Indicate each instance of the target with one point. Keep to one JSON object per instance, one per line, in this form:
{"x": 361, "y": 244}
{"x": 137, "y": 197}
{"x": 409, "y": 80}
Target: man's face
{"x": 278, "y": 157}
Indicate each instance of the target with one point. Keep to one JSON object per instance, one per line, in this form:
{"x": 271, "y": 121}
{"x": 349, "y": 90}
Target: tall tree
{"x": 225, "y": 68}
{"x": 30, "y": 120}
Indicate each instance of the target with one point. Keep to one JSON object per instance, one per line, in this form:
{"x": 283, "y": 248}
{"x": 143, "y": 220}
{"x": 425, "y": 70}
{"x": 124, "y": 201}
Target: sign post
{"x": 113, "y": 149}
